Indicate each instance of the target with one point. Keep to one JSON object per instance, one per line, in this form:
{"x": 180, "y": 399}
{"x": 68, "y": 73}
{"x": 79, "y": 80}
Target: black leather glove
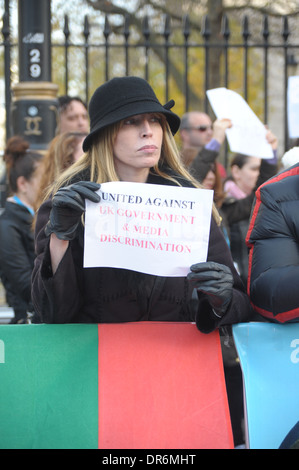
{"x": 215, "y": 281}
{"x": 68, "y": 205}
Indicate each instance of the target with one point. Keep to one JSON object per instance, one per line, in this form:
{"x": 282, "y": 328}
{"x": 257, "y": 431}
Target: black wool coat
{"x": 110, "y": 295}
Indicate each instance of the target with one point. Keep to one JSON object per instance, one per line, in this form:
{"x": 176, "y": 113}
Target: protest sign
{"x": 247, "y": 134}
{"x": 159, "y": 230}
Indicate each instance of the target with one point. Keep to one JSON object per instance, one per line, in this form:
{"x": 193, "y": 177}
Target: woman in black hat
{"x": 131, "y": 139}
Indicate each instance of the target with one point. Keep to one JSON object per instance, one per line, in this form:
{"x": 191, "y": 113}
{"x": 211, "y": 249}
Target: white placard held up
{"x": 293, "y": 106}
{"x": 154, "y": 229}
{"x": 247, "y": 134}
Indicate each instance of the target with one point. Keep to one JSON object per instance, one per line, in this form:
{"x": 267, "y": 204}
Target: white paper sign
{"x": 293, "y": 106}
{"x": 247, "y": 134}
{"x": 154, "y": 229}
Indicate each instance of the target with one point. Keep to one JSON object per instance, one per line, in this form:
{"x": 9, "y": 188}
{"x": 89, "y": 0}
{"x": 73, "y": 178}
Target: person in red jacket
{"x": 131, "y": 139}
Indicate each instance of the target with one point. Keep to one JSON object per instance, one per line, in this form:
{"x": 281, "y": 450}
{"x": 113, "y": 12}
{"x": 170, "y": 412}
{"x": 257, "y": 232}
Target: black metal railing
{"x": 168, "y": 54}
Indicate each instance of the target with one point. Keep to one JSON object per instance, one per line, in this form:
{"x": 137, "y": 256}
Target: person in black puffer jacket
{"x": 273, "y": 241}
{"x": 16, "y": 233}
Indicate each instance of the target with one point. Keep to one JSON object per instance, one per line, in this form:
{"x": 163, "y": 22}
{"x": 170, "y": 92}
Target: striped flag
{"x": 146, "y": 385}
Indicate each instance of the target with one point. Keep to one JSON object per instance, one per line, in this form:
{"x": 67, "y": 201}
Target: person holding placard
{"x": 246, "y": 175}
{"x": 131, "y": 139}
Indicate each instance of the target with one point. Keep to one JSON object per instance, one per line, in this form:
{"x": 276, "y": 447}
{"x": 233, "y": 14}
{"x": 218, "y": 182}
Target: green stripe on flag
{"x": 48, "y": 386}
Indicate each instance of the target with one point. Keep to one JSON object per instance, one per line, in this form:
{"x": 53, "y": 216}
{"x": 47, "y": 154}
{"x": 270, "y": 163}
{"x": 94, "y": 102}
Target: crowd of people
{"x": 128, "y": 135}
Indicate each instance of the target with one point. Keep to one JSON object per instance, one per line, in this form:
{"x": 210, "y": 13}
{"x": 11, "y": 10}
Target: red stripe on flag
{"x": 161, "y": 386}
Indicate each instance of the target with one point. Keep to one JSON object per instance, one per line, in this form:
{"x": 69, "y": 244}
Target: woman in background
{"x": 16, "y": 235}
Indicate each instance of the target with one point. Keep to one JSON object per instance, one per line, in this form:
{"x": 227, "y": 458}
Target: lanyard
{"x": 18, "y": 201}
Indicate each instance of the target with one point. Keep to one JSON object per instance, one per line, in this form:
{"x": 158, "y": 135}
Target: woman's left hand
{"x": 215, "y": 281}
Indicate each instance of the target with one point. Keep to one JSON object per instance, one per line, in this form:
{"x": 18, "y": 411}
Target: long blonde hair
{"x": 99, "y": 161}
{"x": 59, "y": 157}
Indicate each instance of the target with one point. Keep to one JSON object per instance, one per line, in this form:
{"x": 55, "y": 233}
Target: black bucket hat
{"x": 122, "y": 97}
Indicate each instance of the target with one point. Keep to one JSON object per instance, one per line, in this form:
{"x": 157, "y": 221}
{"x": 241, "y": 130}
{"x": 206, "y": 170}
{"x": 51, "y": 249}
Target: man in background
{"x": 72, "y": 115}
{"x": 201, "y": 141}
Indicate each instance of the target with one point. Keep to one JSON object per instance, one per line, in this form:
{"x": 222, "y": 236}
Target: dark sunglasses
{"x": 199, "y": 128}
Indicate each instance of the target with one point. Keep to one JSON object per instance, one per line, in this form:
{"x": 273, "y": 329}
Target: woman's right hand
{"x": 68, "y": 205}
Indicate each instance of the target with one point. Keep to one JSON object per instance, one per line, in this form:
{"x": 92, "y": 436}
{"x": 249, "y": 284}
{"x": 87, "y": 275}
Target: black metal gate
{"x": 176, "y": 53}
